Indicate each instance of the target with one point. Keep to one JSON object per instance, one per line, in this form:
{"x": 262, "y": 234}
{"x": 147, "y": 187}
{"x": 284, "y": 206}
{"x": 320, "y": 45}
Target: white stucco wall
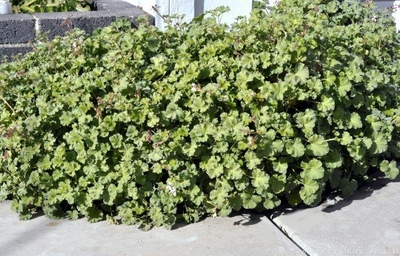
{"x": 396, "y": 14}
{"x": 146, "y": 5}
{"x": 171, "y": 7}
{"x": 237, "y": 8}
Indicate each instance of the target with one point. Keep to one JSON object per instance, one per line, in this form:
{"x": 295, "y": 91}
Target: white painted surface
{"x": 237, "y": 8}
{"x": 146, "y": 5}
{"x": 383, "y": 4}
{"x": 162, "y": 9}
{"x": 172, "y": 7}
{"x": 5, "y": 7}
{"x": 396, "y": 13}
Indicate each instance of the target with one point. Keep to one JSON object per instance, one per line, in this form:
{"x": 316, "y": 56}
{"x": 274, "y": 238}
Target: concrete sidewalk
{"x": 239, "y": 235}
{"x": 366, "y": 224}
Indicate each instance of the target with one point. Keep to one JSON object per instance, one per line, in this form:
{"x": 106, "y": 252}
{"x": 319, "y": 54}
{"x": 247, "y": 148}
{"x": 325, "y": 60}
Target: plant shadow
{"x": 248, "y": 218}
{"x": 333, "y": 201}
{"x": 242, "y": 218}
{"x": 378, "y": 181}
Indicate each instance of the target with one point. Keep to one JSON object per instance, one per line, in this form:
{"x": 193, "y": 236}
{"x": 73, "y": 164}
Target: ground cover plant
{"x": 146, "y": 127}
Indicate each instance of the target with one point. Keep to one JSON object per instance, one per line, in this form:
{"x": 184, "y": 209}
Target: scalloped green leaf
{"x": 252, "y": 160}
{"x": 380, "y": 144}
{"x": 306, "y": 120}
{"x": 277, "y": 183}
{"x": 327, "y": 104}
{"x": 260, "y": 179}
{"x": 310, "y": 192}
{"x": 295, "y": 148}
{"x": 281, "y": 165}
{"x": 333, "y": 160}
{"x": 318, "y": 145}
{"x": 249, "y": 199}
{"x": 355, "y": 121}
{"x": 346, "y": 138}
{"x": 390, "y": 169}
{"x": 344, "y": 86}
{"x": 312, "y": 170}
{"x": 212, "y": 166}
{"x": 348, "y": 187}
{"x": 302, "y": 73}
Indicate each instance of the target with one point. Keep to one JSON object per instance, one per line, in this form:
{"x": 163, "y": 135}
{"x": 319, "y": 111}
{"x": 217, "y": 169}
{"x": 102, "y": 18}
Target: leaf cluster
{"x": 147, "y": 127}
{"x": 39, "y": 6}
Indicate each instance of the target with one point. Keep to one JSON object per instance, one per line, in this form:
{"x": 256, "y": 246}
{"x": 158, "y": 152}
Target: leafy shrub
{"x": 32, "y": 6}
{"x": 148, "y": 127}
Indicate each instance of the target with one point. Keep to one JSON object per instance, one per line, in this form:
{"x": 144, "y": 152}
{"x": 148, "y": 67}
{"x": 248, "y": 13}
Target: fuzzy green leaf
{"x": 312, "y": 170}
{"x": 281, "y": 165}
{"x": 250, "y": 201}
{"x": 355, "y": 121}
{"x": 260, "y": 179}
{"x": 252, "y": 161}
{"x": 295, "y": 148}
{"x": 380, "y": 144}
{"x": 302, "y": 73}
{"x": 309, "y": 193}
{"x": 212, "y": 166}
{"x": 333, "y": 160}
{"x": 318, "y": 145}
{"x": 346, "y": 138}
{"x": 306, "y": 121}
{"x": 277, "y": 183}
{"x": 390, "y": 169}
{"x": 344, "y": 86}
{"x": 348, "y": 187}
{"x": 327, "y": 104}
{"x": 219, "y": 197}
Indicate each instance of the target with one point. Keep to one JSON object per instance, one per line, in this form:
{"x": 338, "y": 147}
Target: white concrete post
{"x": 146, "y": 5}
{"x": 237, "y": 8}
{"x": 5, "y": 7}
{"x": 396, "y": 14}
{"x": 193, "y": 8}
{"x": 171, "y": 7}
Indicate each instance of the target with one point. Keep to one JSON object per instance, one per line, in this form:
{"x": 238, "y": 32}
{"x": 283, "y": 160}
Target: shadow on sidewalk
{"x": 364, "y": 191}
{"x": 246, "y": 218}
{"x": 334, "y": 201}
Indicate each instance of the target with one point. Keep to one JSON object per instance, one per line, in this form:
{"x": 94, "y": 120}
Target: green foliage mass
{"x": 148, "y": 127}
{"x": 37, "y": 6}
